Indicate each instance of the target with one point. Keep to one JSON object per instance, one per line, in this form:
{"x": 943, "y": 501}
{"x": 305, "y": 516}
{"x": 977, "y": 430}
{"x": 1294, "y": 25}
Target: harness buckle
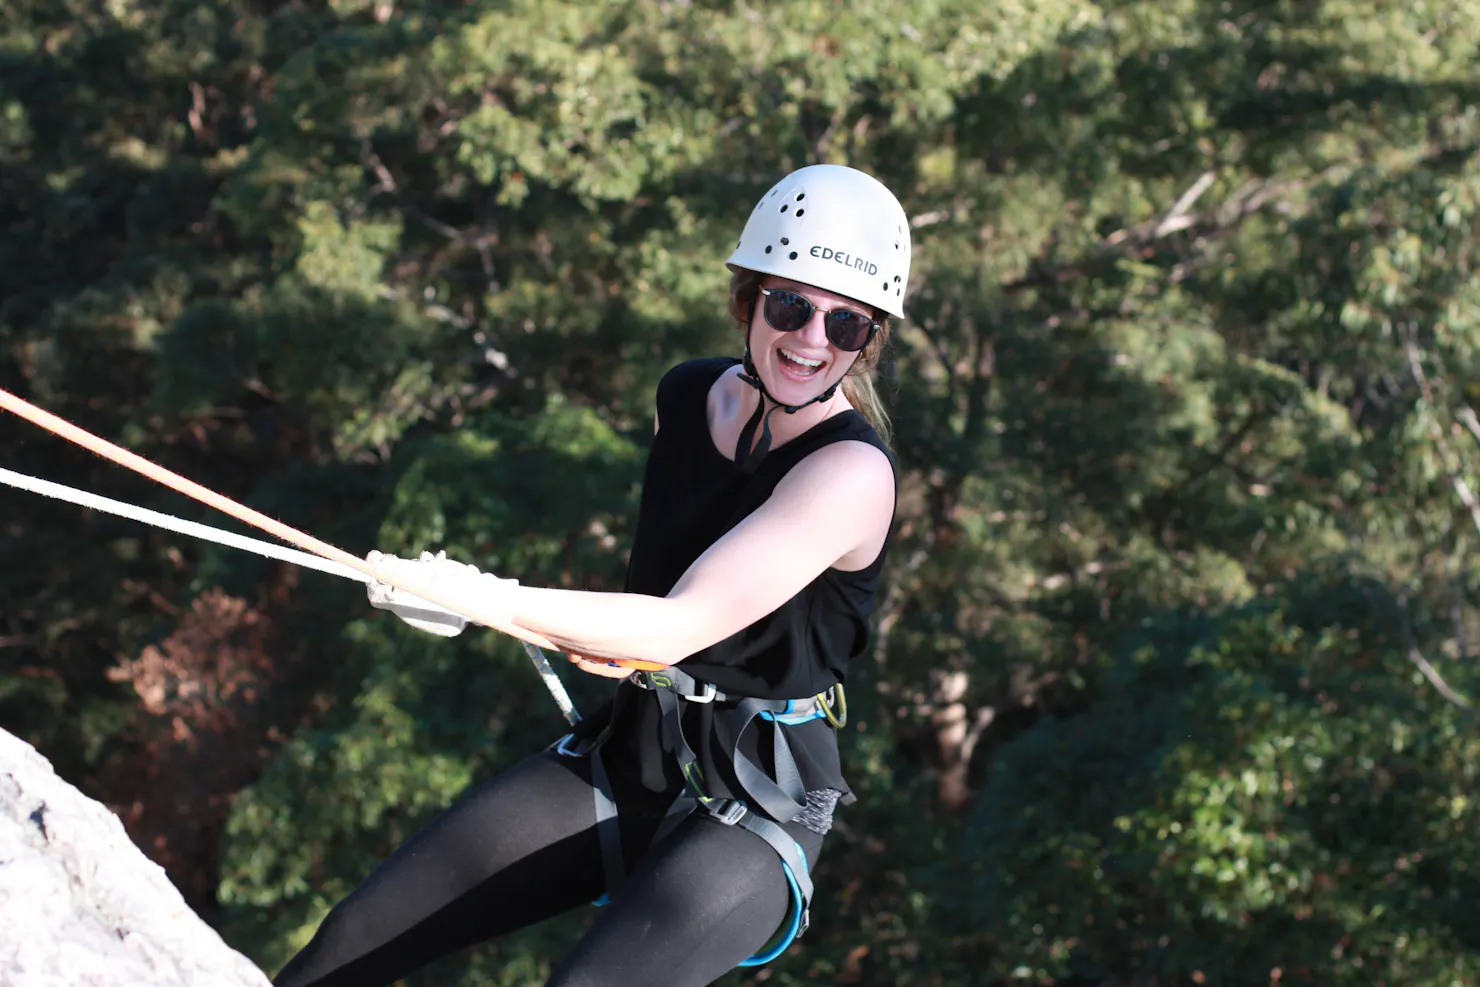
{"x": 706, "y": 695}
{"x": 727, "y": 811}
{"x": 675, "y": 683}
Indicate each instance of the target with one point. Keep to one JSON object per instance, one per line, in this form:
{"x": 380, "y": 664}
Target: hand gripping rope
{"x": 325, "y": 557}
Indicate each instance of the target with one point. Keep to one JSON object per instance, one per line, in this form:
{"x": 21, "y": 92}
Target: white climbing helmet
{"x": 834, "y": 228}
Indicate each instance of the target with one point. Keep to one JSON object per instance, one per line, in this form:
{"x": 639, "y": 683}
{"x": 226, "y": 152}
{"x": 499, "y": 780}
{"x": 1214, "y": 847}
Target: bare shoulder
{"x": 853, "y": 471}
{"x": 855, "y": 459}
{"x": 724, "y": 393}
{"x": 847, "y": 489}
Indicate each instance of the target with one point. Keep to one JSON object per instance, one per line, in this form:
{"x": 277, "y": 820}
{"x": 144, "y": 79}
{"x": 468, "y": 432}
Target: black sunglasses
{"x": 787, "y": 311}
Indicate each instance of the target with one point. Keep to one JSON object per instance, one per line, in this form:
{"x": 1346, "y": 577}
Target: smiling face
{"x": 798, "y": 366}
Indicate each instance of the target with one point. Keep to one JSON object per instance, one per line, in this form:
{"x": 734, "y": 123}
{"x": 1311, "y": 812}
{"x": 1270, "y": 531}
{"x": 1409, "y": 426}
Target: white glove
{"x": 438, "y": 570}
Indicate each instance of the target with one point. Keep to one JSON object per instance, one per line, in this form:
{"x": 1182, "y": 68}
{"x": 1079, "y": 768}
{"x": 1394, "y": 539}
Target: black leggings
{"x": 521, "y": 848}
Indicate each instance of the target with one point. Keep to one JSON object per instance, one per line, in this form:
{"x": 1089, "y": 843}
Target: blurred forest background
{"x": 1172, "y": 682}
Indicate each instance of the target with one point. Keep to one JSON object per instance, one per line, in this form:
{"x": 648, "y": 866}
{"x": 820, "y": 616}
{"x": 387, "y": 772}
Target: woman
{"x": 695, "y": 804}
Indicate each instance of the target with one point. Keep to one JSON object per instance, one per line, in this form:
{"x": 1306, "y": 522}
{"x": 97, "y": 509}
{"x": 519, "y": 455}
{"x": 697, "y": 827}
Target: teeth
{"x": 802, "y": 360}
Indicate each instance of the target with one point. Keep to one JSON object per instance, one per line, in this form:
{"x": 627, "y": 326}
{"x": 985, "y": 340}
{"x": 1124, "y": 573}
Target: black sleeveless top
{"x": 692, "y": 495}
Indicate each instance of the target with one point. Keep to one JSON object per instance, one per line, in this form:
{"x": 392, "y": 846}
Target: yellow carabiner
{"x": 838, "y": 718}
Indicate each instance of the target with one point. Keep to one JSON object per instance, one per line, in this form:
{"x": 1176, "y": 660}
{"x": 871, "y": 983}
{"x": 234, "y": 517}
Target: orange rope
{"x": 189, "y": 488}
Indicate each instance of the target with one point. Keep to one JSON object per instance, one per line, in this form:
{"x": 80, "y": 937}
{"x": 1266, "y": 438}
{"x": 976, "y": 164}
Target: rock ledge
{"x": 81, "y": 906}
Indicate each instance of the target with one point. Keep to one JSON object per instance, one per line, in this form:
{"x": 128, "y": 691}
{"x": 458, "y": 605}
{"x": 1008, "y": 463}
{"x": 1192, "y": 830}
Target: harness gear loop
{"x": 783, "y": 798}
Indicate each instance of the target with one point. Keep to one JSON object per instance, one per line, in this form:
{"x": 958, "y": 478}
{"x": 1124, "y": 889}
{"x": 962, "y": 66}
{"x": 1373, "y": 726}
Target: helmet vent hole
{"x": 783, "y": 207}
{"x": 793, "y": 255}
{"x": 800, "y": 211}
{"x": 801, "y": 196}
{"x": 896, "y": 277}
{"x": 768, "y": 248}
{"x": 786, "y": 241}
{"x": 886, "y": 285}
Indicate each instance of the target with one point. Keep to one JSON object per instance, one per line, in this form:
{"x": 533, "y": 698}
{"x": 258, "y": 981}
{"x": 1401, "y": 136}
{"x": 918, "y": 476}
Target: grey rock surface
{"x": 81, "y": 906}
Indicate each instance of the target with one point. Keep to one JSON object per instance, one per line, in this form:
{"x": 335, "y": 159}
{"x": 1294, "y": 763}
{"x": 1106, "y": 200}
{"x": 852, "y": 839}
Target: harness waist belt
{"x": 690, "y": 689}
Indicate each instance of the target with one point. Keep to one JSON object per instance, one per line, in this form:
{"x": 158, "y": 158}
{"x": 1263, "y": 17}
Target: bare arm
{"x": 835, "y": 500}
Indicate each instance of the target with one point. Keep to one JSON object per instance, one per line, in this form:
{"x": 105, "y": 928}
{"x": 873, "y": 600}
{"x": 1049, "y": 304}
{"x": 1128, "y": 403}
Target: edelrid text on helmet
{"x": 831, "y": 227}
{"x": 844, "y": 258}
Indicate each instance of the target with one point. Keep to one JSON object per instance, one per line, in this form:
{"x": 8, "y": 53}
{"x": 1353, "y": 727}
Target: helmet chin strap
{"x": 750, "y": 460}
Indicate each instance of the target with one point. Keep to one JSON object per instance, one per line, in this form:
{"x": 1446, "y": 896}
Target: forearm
{"x": 610, "y": 625}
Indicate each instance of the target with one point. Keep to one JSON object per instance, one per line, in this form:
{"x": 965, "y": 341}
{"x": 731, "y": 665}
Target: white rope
{"x": 171, "y": 523}
{"x": 552, "y": 682}
{"x": 203, "y": 531}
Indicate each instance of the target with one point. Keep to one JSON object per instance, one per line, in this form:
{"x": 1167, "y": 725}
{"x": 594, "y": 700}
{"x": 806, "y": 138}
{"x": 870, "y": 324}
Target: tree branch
{"x": 1177, "y": 219}
{"x": 1466, "y": 415}
{"x": 1422, "y": 664}
{"x": 1456, "y": 480}
{"x": 1242, "y": 204}
{"x": 1436, "y": 680}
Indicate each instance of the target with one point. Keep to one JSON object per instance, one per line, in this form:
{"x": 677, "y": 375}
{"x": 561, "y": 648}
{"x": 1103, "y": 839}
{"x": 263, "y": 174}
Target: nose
{"x": 814, "y": 333}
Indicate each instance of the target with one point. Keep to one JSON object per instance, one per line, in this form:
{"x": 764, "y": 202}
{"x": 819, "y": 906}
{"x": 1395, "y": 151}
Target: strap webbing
{"x": 608, "y": 831}
{"x": 748, "y": 459}
{"x": 783, "y": 798}
{"x": 789, "y": 850}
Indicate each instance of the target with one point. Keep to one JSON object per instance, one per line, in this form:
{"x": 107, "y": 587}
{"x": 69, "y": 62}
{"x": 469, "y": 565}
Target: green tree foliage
{"x": 1173, "y": 673}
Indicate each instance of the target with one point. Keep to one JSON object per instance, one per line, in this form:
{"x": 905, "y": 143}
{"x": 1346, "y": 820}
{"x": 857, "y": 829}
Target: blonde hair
{"x": 858, "y": 384}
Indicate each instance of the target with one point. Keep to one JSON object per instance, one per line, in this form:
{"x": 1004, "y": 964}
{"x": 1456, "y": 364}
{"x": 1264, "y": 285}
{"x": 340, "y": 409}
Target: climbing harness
{"x": 781, "y": 799}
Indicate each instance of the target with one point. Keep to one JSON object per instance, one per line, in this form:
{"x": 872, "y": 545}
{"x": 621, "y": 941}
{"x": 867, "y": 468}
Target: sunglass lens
{"x": 848, "y": 330}
{"x": 787, "y": 311}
